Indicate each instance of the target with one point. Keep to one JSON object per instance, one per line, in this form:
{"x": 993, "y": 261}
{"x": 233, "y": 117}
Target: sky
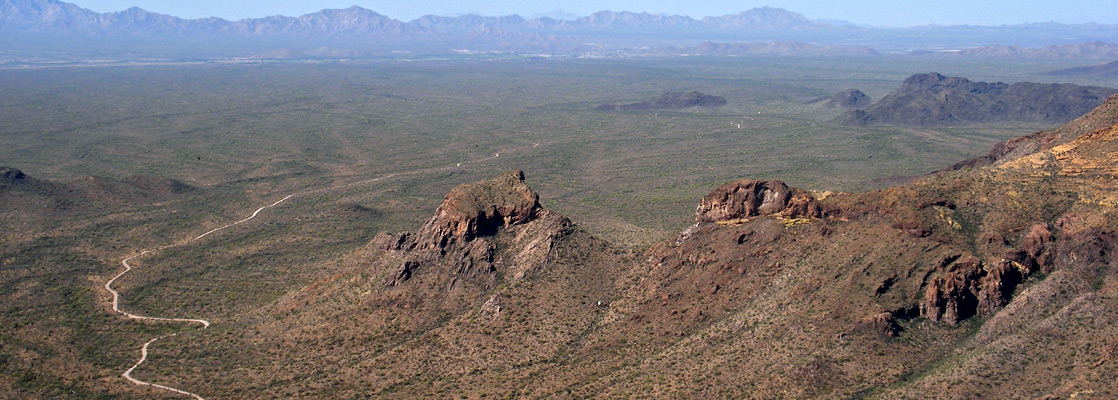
{"x": 885, "y": 13}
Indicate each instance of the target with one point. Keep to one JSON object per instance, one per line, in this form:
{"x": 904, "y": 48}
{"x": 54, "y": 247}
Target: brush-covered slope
{"x": 489, "y": 291}
{"x": 27, "y": 201}
{"x": 987, "y": 282}
{"x": 997, "y": 281}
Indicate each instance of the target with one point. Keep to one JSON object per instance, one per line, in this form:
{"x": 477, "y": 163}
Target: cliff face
{"x": 740, "y": 200}
{"x": 479, "y": 209}
{"x": 455, "y": 246}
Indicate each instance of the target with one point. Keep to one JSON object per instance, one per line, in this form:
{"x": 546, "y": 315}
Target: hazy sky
{"x": 873, "y": 12}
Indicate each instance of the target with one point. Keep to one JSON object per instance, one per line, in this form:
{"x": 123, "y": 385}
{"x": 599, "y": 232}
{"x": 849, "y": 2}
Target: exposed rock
{"x": 479, "y": 209}
{"x": 951, "y": 297}
{"x": 1036, "y": 248}
{"x": 669, "y": 101}
{"x": 881, "y": 324}
{"x": 452, "y": 249}
{"x": 404, "y": 273}
{"x": 750, "y": 198}
{"x": 849, "y": 98}
{"x": 10, "y": 177}
{"x": 933, "y": 100}
{"x": 967, "y": 288}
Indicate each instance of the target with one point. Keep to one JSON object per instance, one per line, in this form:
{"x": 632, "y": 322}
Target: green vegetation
{"x": 245, "y": 136}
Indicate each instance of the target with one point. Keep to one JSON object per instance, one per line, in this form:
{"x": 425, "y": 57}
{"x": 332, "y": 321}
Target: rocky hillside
{"x": 935, "y": 100}
{"x": 669, "y": 101}
{"x": 995, "y": 281}
{"x": 1099, "y": 118}
{"x": 849, "y": 98}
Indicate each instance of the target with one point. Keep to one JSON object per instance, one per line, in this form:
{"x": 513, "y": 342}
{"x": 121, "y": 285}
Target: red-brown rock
{"x": 750, "y": 198}
{"x": 479, "y": 209}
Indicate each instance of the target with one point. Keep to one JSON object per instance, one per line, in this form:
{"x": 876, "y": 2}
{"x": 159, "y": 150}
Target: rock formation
{"x": 10, "y": 176}
{"x": 452, "y": 240}
{"x": 479, "y": 209}
{"x": 747, "y": 198}
{"x": 849, "y": 98}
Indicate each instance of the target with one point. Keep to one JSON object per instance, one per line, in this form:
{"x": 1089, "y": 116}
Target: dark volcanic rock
{"x": 11, "y": 176}
{"x": 749, "y": 198}
{"x": 669, "y": 101}
{"x": 849, "y": 98}
{"x": 933, "y": 99}
{"x": 479, "y": 209}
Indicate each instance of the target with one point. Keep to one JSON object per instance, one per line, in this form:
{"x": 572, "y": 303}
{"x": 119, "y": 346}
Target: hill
{"x": 1108, "y": 70}
{"x": 29, "y": 201}
{"x": 935, "y": 100}
{"x": 993, "y": 281}
{"x": 849, "y": 98}
{"x": 669, "y": 101}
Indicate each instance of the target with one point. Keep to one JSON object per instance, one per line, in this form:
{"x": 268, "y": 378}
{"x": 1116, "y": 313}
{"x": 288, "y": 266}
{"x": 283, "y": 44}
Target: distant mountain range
{"x": 52, "y": 16}
{"x": 51, "y": 29}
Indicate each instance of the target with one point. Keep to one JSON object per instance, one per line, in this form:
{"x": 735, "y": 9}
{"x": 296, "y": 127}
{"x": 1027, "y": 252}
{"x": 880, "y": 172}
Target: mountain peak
{"x": 479, "y": 209}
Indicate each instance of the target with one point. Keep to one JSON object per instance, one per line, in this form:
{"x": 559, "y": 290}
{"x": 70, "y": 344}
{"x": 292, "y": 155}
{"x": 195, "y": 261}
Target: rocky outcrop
{"x": 669, "y": 101}
{"x": 479, "y": 209}
{"x": 454, "y": 242}
{"x": 849, "y": 98}
{"x": 969, "y": 287}
{"x": 935, "y": 100}
{"x": 750, "y": 198}
{"x": 880, "y": 324}
{"x": 11, "y": 177}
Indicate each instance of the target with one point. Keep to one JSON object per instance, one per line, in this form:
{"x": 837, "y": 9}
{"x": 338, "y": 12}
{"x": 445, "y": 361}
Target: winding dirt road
{"x": 206, "y": 324}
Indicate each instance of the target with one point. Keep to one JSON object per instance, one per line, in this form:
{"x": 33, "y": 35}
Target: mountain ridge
{"x": 932, "y": 99}
{"x": 132, "y": 33}
{"x": 903, "y": 292}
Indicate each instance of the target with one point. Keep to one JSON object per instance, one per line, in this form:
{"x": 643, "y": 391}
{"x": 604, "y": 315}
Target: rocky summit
{"x": 11, "y": 176}
{"x": 479, "y": 209}
{"x": 849, "y": 98}
{"x": 739, "y": 200}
